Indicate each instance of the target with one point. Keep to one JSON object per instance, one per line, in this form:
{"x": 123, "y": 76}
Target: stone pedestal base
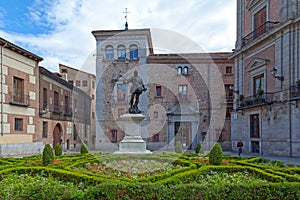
{"x": 132, "y": 143}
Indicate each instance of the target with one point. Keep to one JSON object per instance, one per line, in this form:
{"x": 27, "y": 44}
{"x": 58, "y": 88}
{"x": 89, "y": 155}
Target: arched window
{"x": 179, "y": 70}
{"x": 185, "y": 70}
{"x": 121, "y": 52}
{"x": 109, "y": 53}
{"x": 133, "y": 52}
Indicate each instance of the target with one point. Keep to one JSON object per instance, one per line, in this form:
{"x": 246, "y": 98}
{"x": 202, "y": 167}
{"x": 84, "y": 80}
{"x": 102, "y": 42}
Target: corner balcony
{"x": 255, "y": 101}
{"x": 267, "y": 26}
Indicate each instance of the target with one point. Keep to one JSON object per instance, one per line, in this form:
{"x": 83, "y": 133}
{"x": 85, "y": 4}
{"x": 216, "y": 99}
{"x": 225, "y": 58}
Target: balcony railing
{"x": 57, "y": 109}
{"x": 258, "y": 32}
{"x": 256, "y": 100}
{"x": 19, "y": 99}
{"x": 229, "y": 99}
{"x": 68, "y": 112}
{"x": 295, "y": 92}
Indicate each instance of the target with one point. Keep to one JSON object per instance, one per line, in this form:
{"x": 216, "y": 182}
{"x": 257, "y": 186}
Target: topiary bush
{"x": 178, "y": 147}
{"x": 48, "y": 155}
{"x": 84, "y": 149}
{"x": 216, "y": 155}
{"x": 198, "y": 148}
{"x": 58, "y": 150}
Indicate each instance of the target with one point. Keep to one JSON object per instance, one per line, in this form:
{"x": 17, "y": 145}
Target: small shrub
{"x": 216, "y": 154}
{"x": 198, "y": 148}
{"x": 58, "y": 150}
{"x": 84, "y": 149}
{"x": 48, "y": 156}
{"x": 178, "y": 147}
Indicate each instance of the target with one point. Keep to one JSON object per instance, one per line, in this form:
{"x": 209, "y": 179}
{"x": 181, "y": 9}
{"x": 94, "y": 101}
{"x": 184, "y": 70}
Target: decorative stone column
{"x": 132, "y": 143}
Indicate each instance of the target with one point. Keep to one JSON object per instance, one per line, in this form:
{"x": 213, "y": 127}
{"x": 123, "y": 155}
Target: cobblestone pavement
{"x": 286, "y": 160}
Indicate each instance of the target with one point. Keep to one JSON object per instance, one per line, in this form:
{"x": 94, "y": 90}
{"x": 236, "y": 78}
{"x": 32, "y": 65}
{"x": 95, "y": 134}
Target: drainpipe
{"x": 2, "y": 67}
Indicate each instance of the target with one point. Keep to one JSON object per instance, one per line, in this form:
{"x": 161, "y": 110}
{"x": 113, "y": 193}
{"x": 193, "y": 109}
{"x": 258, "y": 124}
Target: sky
{"x": 59, "y": 31}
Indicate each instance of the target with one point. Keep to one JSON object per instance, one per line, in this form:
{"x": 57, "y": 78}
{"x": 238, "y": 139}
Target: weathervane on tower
{"x": 126, "y": 24}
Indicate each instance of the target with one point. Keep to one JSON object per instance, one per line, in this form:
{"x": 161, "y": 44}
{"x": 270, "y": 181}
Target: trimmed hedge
{"x": 193, "y": 191}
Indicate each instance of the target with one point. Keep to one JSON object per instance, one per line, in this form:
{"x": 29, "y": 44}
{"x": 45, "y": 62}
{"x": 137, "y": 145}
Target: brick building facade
{"x": 186, "y": 99}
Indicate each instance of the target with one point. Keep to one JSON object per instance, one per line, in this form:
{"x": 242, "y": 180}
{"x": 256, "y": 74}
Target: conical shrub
{"x": 58, "y": 150}
{"x": 216, "y": 155}
{"x": 48, "y": 155}
{"x": 84, "y": 149}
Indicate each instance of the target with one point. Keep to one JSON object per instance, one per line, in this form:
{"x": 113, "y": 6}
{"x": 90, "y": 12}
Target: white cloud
{"x": 211, "y": 24}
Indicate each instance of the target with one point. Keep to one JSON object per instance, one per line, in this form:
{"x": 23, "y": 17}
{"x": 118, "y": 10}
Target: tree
{"x": 58, "y": 150}
{"x": 216, "y": 154}
{"x": 178, "y": 147}
{"x": 84, "y": 149}
{"x": 48, "y": 155}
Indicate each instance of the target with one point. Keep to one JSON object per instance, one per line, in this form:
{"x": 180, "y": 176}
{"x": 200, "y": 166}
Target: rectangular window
{"x": 182, "y": 90}
{"x": 93, "y": 84}
{"x": 121, "y": 53}
{"x": 45, "y": 98}
{"x": 258, "y": 83}
{"x": 75, "y": 133}
{"x": 155, "y": 114}
{"x": 45, "y": 129}
{"x": 260, "y": 19}
{"x": 156, "y": 138}
{"x": 114, "y": 136}
{"x": 56, "y": 101}
{"x": 121, "y": 92}
{"x": 109, "y": 53}
{"x": 93, "y": 115}
{"x": 67, "y": 106}
{"x": 158, "y": 91}
{"x": 77, "y": 83}
{"x": 133, "y": 54}
{"x": 254, "y": 126}
{"x": 18, "y": 124}
{"x": 18, "y": 95}
{"x": 229, "y": 93}
{"x": 84, "y": 83}
{"x": 228, "y": 70}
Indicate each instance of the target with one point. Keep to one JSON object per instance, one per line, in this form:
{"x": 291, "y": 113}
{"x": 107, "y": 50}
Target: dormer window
{"x": 121, "y": 52}
{"x": 133, "y": 52}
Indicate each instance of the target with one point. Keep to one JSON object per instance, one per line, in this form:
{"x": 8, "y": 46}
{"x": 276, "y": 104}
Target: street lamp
{"x": 274, "y": 71}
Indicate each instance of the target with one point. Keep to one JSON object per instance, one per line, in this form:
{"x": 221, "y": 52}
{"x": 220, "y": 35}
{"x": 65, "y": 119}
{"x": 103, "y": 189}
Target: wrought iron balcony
{"x": 68, "y": 111}
{"x": 19, "y": 99}
{"x": 256, "y": 100}
{"x": 57, "y": 109}
{"x": 229, "y": 99}
{"x": 258, "y": 32}
{"x": 295, "y": 92}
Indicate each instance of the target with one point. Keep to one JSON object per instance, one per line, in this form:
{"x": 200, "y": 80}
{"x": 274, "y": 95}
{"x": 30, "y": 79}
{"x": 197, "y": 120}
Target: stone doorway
{"x": 57, "y": 133}
{"x": 183, "y": 134}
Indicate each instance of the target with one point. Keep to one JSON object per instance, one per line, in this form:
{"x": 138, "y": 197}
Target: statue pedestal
{"x": 132, "y": 143}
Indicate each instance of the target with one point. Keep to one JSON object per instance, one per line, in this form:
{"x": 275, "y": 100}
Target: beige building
{"x": 20, "y": 101}
{"x": 267, "y": 77}
{"x": 87, "y": 83}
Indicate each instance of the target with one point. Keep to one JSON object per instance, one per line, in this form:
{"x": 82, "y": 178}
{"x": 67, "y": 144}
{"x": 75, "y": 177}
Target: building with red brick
{"x": 187, "y": 97}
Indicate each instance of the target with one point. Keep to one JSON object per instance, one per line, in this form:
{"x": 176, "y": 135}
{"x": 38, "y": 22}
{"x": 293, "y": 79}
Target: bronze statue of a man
{"x": 136, "y": 90}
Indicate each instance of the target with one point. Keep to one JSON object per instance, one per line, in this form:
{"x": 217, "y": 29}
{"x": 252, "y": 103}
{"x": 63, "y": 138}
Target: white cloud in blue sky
{"x": 60, "y": 30}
